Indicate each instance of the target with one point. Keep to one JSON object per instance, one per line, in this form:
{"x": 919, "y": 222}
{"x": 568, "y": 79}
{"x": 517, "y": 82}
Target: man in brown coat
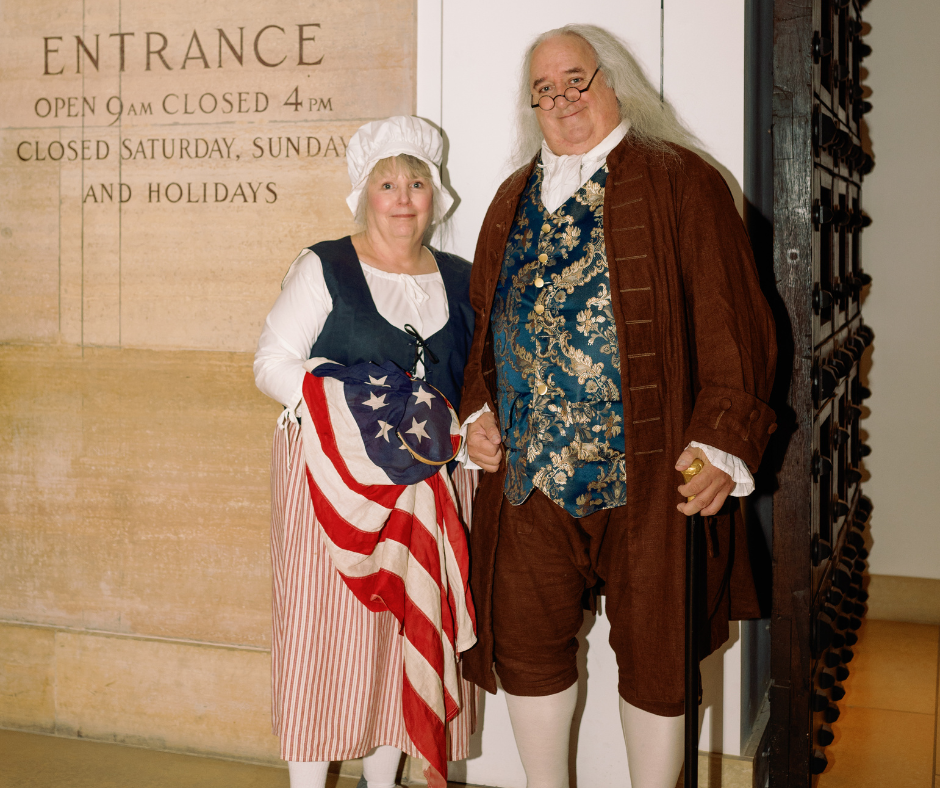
{"x": 620, "y": 333}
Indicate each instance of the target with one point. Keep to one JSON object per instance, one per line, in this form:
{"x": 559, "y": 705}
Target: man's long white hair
{"x": 652, "y": 122}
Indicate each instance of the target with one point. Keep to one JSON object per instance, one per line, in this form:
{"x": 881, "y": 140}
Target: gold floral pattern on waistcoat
{"x": 557, "y": 358}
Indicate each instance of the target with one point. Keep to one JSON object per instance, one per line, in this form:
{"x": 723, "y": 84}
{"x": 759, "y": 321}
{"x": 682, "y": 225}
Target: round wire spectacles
{"x": 571, "y": 95}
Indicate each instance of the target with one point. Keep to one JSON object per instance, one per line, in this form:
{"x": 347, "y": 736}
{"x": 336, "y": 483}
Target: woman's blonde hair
{"x": 653, "y": 122}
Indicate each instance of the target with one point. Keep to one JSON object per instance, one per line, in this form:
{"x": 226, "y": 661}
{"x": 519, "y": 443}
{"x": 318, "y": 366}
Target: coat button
{"x": 539, "y": 309}
{"x": 725, "y": 403}
{"x": 543, "y": 258}
{"x": 541, "y": 388}
{"x": 539, "y": 282}
{"x": 771, "y": 429}
{"x": 546, "y": 227}
{"x": 755, "y": 415}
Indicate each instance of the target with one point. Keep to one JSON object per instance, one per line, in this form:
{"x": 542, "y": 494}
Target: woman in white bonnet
{"x": 379, "y": 295}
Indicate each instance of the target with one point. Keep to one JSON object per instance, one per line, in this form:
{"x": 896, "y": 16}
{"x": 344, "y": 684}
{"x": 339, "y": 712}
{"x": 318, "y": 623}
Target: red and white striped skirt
{"x": 336, "y": 667}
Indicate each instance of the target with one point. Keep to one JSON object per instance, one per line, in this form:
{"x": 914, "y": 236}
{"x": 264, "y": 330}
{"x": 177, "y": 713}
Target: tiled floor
{"x": 887, "y": 736}
{"x": 29, "y": 760}
{"x": 36, "y": 761}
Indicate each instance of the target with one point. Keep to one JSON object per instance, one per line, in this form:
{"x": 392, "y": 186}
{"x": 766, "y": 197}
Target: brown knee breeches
{"x": 545, "y": 560}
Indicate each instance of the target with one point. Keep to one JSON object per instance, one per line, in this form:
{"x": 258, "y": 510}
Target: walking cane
{"x": 692, "y": 580}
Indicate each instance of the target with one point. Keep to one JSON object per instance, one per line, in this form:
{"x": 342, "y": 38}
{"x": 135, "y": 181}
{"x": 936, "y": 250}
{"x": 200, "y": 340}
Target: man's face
{"x": 571, "y": 126}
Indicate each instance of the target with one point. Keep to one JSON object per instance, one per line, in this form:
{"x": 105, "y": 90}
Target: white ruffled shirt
{"x": 300, "y": 312}
{"x": 562, "y": 176}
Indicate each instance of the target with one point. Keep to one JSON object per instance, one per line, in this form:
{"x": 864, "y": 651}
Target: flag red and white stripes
{"x": 336, "y": 665}
{"x": 399, "y": 548}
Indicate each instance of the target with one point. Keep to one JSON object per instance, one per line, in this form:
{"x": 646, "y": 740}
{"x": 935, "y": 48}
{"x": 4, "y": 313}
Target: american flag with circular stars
{"x": 376, "y": 443}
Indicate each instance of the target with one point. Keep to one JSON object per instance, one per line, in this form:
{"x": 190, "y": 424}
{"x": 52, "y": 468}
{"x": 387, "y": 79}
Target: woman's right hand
{"x": 483, "y": 443}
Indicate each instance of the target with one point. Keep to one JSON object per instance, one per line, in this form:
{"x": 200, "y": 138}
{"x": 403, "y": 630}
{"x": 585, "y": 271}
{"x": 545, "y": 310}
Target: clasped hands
{"x": 710, "y": 487}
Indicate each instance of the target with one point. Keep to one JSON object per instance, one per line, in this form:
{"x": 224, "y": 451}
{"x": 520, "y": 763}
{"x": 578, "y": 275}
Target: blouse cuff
{"x": 463, "y": 456}
{"x": 733, "y": 466}
{"x": 291, "y": 412}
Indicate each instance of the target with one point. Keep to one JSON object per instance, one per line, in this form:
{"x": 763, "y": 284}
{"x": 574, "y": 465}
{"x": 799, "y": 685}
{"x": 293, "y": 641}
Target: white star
{"x": 375, "y": 402}
{"x": 384, "y": 427}
{"x": 379, "y": 381}
{"x": 423, "y": 396}
{"x": 417, "y": 429}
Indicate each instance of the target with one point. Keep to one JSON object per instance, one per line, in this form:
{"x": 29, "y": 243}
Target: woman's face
{"x": 399, "y": 205}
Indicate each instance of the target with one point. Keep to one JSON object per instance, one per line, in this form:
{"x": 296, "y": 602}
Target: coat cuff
{"x": 733, "y": 421}
{"x": 473, "y": 398}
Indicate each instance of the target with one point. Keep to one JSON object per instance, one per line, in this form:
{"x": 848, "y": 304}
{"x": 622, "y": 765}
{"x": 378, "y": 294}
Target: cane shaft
{"x": 691, "y": 651}
{"x": 692, "y": 580}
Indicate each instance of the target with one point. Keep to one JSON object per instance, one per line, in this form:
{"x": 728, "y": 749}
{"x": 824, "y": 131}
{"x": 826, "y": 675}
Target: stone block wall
{"x": 162, "y": 164}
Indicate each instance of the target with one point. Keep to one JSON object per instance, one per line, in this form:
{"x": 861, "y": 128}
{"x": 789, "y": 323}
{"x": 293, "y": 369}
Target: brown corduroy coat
{"x": 697, "y": 357}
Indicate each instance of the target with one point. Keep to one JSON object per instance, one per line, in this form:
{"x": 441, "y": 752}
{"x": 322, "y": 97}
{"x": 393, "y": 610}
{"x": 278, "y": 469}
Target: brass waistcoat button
{"x": 539, "y": 309}
{"x": 539, "y": 282}
{"x": 543, "y": 258}
{"x": 546, "y": 227}
{"x": 542, "y": 388}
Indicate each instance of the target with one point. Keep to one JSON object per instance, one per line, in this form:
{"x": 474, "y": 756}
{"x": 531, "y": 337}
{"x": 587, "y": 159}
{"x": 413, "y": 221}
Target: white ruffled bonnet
{"x": 382, "y": 139}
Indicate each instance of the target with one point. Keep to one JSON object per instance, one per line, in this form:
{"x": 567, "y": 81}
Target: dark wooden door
{"x": 819, "y": 512}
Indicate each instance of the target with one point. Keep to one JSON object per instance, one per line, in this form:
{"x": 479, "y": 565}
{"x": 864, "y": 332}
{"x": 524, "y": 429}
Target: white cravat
{"x": 562, "y": 176}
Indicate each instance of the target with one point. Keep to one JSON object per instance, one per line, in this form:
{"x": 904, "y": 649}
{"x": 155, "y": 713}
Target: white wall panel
{"x": 430, "y": 43}
{"x": 703, "y": 68}
{"x": 900, "y": 251}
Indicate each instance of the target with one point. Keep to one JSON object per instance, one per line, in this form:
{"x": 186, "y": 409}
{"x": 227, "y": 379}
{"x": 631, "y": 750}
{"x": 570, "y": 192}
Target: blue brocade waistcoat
{"x": 557, "y": 362}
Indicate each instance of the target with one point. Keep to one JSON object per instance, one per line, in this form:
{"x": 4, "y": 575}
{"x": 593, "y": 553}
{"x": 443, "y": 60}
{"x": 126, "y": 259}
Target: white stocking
{"x": 655, "y": 746}
{"x": 307, "y": 774}
{"x": 542, "y": 728}
{"x": 380, "y": 767}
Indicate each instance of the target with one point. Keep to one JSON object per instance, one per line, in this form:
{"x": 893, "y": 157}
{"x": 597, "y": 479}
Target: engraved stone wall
{"x": 161, "y": 164}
